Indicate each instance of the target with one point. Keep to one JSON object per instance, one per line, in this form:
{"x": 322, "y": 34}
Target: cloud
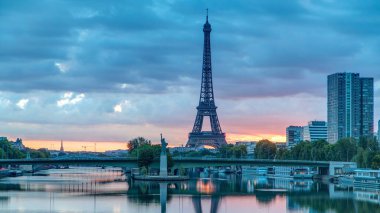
{"x": 117, "y": 108}
{"x": 22, "y": 103}
{"x": 150, "y": 53}
{"x": 61, "y": 67}
{"x": 69, "y": 99}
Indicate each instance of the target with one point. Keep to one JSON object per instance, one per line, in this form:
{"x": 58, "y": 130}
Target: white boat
{"x": 367, "y": 179}
{"x": 303, "y": 173}
{"x": 261, "y": 171}
{"x": 292, "y": 172}
{"x": 226, "y": 170}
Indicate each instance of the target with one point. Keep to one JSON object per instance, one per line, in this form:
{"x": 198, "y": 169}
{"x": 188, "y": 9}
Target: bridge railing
{"x": 248, "y": 160}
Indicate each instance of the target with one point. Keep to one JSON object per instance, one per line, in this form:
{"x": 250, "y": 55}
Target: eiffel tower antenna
{"x": 206, "y": 108}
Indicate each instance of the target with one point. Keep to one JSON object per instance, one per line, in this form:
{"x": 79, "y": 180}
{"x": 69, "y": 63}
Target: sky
{"x": 113, "y": 70}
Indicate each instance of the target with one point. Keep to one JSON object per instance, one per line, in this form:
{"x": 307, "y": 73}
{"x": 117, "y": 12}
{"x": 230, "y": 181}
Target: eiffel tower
{"x": 206, "y": 108}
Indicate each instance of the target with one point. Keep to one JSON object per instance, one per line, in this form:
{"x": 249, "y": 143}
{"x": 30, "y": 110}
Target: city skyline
{"x": 106, "y": 71}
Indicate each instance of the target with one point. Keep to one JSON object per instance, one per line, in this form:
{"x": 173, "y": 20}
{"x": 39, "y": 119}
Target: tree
{"x": 376, "y": 162}
{"x": 226, "y": 151}
{"x": 265, "y": 149}
{"x": 346, "y": 149}
{"x": 145, "y": 155}
{"x": 283, "y": 154}
{"x": 239, "y": 151}
{"x": 143, "y": 170}
{"x": 7, "y": 151}
{"x": 317, "y": 150}
{"x": 136, "y": 142}
{"x": 359, "y": 157}
{"x": 330, "y": 152}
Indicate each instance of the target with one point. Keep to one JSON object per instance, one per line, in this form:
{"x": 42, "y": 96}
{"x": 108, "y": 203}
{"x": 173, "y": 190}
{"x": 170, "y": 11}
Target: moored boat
{"x": 291, "y": 172}
{"x": 4, "y": 172}
{"x": 303, "y": 173}
{"x": 261, "y": 171}
{"x": 367, "y": 179}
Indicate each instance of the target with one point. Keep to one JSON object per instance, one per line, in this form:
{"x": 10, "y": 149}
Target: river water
{"x": 108, "y": 190}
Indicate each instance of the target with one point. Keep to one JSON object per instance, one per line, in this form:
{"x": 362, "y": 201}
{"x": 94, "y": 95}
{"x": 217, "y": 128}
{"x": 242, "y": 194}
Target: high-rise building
{"x": 315, "y": 130}
{"x": 366, "y": 103}
{"x": 378, "y": 132}
{"x": 349, "y": 106}
{"x": 293, "y": 135}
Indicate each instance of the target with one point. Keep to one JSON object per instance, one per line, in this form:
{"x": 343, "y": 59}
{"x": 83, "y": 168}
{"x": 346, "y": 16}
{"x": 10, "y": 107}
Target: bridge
{"x": 324, "y": 167}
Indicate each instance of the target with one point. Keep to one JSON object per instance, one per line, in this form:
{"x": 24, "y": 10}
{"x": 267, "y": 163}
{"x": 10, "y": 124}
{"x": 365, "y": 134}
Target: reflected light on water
{"x": 205, "y": 186}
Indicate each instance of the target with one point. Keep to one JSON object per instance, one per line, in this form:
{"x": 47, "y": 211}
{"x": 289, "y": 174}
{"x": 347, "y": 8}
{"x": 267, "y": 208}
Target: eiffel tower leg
{"x": 198, "y": 123}
{"x": 215, "y": 126}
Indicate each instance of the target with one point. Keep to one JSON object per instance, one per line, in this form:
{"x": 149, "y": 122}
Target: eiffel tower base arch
{"x": 205, "y": 139}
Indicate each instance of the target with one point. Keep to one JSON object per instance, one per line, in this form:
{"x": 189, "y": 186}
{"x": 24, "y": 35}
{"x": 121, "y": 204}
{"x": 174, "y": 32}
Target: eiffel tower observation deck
{"x": 206, "y": 108}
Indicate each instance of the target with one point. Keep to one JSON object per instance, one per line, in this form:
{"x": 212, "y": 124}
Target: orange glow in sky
{"x": 246, "y": 137}
{"x": 112, "y": 145}
{"x": 75, "y": 145}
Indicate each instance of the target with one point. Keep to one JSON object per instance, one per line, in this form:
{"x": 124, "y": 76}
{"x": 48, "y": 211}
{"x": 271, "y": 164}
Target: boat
{"x": 260, "y": 171}
{"x": 367, "y": 196}
{"x": 291, "y": 172}
{"x": 346, "y": 180}
{"x": 367, "y": 179}
{"x": 303, "y": 173}
{"x": 226, "y": 170}
{"x": 4, "y": 172}
{"x": 15, "y": 173}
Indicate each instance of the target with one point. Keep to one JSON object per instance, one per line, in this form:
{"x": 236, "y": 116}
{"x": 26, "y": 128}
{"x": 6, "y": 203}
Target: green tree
{"x": 40, "y": 153}
{"x": 376, "y": 162}
{"x": 283, "y": 154}
{"x": 226, "y": 151}
{"x": 145, "y": 155}
{"x": 143, "y": 170}
{"x": 136, "y": 142}
{"x": 318, "y": 150}
{"x": 346, "y": 149}
{"x": 359, "y": 157}
{"x": 265, "y": 149}
{"x": 7, "y": 151}
{"x": 239, "y": 151}
{"x": 302, "y": 151}
{"x": 330, "y": 152}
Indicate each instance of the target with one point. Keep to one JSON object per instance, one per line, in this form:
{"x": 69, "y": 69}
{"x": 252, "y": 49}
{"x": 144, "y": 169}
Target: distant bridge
{"x": 328, "y": 167}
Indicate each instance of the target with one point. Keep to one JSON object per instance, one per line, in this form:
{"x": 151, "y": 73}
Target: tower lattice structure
{"x": 206, "y": 108}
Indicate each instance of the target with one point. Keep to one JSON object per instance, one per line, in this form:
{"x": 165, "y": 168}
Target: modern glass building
{"x": 367, "y": 105}
{"x": 293, "y": 135}
{"x": 315, "y": 130}
{"x": 378, "y": 132}
{"x": 349, "y": 106}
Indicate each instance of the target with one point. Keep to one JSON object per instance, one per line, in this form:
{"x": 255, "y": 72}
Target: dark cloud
{"x": 154, "y": 44}
{"x": 150, "y": 52}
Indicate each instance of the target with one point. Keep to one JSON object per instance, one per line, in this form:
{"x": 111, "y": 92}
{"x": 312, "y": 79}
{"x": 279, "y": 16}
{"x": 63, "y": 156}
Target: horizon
{"x": 85, "y": 72}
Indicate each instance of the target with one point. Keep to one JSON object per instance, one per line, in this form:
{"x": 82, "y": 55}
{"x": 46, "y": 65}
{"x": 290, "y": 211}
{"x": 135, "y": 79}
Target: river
{"x": 84, "y": 189}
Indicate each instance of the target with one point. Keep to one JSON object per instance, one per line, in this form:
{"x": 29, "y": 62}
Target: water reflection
{"x": 101, "y": 190}
{"x": 205, "y": 186}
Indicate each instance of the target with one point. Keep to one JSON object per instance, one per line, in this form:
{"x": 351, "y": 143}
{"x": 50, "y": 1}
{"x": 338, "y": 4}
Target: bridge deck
{"x": 178, "y": 162}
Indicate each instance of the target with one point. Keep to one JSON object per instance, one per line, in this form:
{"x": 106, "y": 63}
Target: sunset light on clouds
{"x": 111, "y": 72}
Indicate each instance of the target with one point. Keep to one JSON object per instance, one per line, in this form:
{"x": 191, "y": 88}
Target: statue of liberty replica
{"x": 163, "y": 158}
